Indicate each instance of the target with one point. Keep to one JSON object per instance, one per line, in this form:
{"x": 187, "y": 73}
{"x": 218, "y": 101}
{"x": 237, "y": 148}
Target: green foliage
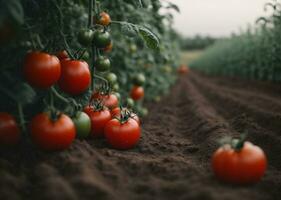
{"x": 142, "y": 43}
{"x": 254, "y": 54}
{"x": 197, "y": 42}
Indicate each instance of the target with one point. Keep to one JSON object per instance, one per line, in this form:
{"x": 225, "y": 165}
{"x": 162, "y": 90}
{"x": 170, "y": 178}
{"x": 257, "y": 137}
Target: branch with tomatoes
{"x": 74, "y": 72}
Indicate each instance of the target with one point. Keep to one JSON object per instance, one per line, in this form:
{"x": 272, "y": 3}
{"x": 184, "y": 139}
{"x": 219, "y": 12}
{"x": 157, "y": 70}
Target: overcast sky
{"x": 216, "y": 17}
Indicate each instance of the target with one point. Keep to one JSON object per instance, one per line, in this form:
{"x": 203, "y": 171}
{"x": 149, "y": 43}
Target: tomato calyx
{"x": 97, "y": 105}
{"x": 235, "y": 143}
{"x": 125, "y": 115}
{"x": 54, "y": 115}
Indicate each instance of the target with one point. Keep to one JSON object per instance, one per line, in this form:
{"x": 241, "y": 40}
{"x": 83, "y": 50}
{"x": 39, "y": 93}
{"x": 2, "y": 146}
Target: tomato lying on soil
{"x": 82, "y": 124}
{"x": 41, "y": 69}
{"x": 99, "y": 118}
{"x": 50, "y": 134}
{"x": 122, "y": 135}
{"x": 243, "y": 166}
{"x": 137, "y": 93}
{"x": 183, "y": 69}
{"x": 75, "y": 77}
{"x": 9, "y": 130}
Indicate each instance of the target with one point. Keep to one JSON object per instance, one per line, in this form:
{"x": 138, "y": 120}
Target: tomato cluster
{"x": 43, "y": 70}
{"x": 54, "y": 130}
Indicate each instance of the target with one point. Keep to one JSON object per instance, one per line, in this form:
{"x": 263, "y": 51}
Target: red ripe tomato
{"x": 183, "y": 69}
{"x": 245, "y": 166}
{"x": 110, "y": 100}
{"x": 98, "y": 120}
{"x": 104, "y": 19}
{"x": 9, "y": 130}
{"x": 136, "y": 118}
{"x": 137, "y": 93}
{"x": 122, "y": 135}
{"x": 62, "y": 55}
{"x": 41, "y": 69}
{"x": 115, "y": 112}
{"x": 52, "y": 135}
{"x": 75, "y": 77}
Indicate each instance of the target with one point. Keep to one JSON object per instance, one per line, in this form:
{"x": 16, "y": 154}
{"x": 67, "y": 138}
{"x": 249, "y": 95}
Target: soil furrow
{"x": 172, "y": 161}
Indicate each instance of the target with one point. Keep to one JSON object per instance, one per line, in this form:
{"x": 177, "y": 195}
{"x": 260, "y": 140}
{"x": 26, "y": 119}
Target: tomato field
{"x": 100, "y": 100}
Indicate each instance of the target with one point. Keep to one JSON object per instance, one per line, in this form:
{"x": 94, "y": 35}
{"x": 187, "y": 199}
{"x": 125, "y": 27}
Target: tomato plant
{"x": 41, "y": 70}
{"x": 99, "y": 117}
{"x": 82, "y": 124}
{"x": 52, "y": 134}
{"x": 239, "y": 162}
{"x": 122, "y": 135}
{"x": 137, "y": 93}
{"x": 9, "y": 130}
{"x": 75, "y": 77}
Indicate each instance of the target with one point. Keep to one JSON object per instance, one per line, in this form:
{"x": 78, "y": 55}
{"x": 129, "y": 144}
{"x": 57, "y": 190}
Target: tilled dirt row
{"x": 172, "y": 161}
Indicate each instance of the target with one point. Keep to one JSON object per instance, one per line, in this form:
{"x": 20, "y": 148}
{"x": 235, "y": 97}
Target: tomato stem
{"x": 238, "y": 144}
{"x": 54, "y": 91}
{"x": 21, "y": 117}
{"x": 90, "y": 13}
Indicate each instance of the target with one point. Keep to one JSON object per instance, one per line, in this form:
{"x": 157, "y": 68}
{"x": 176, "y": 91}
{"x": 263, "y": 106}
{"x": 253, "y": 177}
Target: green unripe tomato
{"x": 130, "y": 102}
{"x": 111, "y": 77}
{"x": 133, "y": 48}
{"x": 102, "y": 64}
{"x": 143, "y": 112}
{"x": 167, "y": 69}
{"x": 82, "y": 124}
{"x": 85, "y": 37}
{"x": 101, "y": 39}
{"x": 139, "y": 79}
{"x": 115, "y": 87}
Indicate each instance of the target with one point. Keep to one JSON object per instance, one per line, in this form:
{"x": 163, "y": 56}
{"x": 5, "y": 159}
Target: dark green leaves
{"x": 173, "y": 6}
{"x": 21, "y": 93}
{"x": 150, "y": 39}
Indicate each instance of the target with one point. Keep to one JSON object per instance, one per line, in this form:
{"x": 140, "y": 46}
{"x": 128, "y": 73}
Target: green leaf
{"x": 150, "y": 38}
{"x": 16, "y": 11}
{"x": 23, "y": 94}
{"x": 173, "y": 6}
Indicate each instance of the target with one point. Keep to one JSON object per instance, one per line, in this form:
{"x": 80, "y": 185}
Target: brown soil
{"x": 172, "y": 161}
